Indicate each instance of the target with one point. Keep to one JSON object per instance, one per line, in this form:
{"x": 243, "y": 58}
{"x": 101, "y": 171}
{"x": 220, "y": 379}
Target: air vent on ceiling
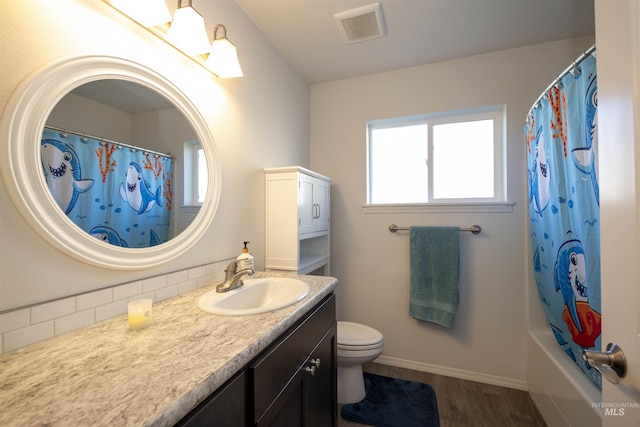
{"x": 362, "y": 23}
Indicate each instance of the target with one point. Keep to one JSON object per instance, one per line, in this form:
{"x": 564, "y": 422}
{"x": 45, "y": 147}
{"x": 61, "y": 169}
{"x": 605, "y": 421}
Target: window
{"x": 195, "y": 174}
{"x": 201, "y": 175}
{"x": 436, "y": 159}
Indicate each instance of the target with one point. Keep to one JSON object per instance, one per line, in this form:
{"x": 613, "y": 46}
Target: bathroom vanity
{"x": 292, "y": 383}
{"x": 187, "y": 368}
{"x": 287, "y": 393}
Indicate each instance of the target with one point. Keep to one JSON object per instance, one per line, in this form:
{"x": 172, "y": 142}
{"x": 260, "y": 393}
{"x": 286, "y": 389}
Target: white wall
{"x": 93, "y": 118}
{"x": 261, "y": 120}
{"x": 489, "y": 338}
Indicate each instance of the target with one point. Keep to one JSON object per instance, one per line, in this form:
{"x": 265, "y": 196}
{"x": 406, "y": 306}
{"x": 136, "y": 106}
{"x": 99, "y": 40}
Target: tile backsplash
{"x": 24, "y": 326}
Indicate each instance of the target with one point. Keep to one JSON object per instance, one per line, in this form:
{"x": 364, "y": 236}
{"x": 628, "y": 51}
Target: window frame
{"x": 498, "y": 203}
{"x": 191, "y": 171}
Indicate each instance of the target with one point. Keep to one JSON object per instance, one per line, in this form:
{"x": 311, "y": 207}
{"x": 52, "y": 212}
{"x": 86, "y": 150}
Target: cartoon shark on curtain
{"x": 136, "y": 190}
{"x": 584, "y": 157}
{"x": 63, "y": 173}
{"x": 539, "y": 176}
{"x": 570, "y": 277}
{"x": 108, "y": 235}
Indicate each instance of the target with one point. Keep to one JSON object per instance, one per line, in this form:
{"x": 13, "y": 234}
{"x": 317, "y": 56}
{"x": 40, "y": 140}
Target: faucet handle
{"x": 232, "y": 266}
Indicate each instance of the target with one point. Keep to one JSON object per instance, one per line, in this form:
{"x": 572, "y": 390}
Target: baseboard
{"x": 452, "y": 372}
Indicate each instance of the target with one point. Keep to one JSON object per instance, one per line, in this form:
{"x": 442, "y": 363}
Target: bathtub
{"x": 562, "y": 393}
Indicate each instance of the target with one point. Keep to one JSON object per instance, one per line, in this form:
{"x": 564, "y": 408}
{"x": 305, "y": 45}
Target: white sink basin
{"x": 255, "y": 296}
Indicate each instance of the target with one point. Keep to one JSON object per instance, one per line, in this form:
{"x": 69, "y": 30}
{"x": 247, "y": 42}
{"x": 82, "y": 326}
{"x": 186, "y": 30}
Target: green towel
{"x": 434, "y": 253}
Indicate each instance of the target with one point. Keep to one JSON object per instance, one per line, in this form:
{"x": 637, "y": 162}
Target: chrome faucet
{"x": 233, "y": 278}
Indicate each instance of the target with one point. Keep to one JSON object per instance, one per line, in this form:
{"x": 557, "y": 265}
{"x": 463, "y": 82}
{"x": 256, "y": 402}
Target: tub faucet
{"x": 233, "y": 278}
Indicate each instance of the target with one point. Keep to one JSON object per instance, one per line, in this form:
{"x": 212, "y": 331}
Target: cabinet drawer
{"x": 273, "y": 370}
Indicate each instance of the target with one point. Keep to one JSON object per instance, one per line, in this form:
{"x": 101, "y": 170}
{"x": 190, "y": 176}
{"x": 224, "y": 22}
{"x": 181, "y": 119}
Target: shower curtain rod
{"x": 108, "y": 141}
{"x": 558, "y": 79}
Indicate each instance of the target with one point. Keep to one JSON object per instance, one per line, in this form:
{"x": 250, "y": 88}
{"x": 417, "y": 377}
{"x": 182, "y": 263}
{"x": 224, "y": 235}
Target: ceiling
{"x": 417, "y": 31}
{"x": 123, "y": 95}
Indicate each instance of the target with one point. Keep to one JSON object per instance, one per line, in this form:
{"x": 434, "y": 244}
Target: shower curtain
{"x": 561, "y": 137}
{"x": 120, "y": 195}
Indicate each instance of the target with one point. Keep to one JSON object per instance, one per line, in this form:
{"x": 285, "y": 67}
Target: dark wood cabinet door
{"x": 320, "y": 390}
{"x": 224, "y": 408}
{"x": 308, "y": 400}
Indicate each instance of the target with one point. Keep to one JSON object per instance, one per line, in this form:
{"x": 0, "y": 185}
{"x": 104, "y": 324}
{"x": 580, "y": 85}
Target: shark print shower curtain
{"x": 118, "y": 194}
{"x": 564, "y": 211}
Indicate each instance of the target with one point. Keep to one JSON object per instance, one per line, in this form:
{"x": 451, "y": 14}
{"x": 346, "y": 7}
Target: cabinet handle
{"x": 314, "y": 364}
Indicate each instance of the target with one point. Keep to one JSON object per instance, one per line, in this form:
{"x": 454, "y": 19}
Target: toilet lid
{"x": 356, "y": 334}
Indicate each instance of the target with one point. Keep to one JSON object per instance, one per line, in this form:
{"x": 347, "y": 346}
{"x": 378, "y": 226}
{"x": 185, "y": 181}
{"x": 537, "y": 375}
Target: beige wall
{"x": 488, "y": 340}
{"x": 261, "y": 120}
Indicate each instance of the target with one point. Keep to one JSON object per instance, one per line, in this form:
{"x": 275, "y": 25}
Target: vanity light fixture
{"x": 187, "y": 33}
{"x": 223, "y": 58}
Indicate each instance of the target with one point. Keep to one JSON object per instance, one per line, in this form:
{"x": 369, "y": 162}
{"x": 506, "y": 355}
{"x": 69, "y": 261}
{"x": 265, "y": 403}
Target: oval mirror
{"x": 97, "y": 149}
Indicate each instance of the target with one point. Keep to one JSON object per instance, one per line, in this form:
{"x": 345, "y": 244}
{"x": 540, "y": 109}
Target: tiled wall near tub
{"x": 25, "y": 326}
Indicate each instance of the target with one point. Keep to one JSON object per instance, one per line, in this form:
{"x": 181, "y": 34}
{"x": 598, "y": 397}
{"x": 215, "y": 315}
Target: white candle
{"x": 139, "y": 314}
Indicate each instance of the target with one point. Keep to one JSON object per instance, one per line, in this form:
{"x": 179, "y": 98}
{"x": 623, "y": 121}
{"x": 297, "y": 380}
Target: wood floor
{"x": 467, "y": 403}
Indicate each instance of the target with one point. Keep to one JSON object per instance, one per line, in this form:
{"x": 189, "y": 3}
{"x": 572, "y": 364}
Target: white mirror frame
{"x": 21, "y": 129}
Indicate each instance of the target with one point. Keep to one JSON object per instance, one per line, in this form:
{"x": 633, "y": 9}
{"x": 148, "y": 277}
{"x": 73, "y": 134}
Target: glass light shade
{"x": 188, "y": 33}
{"x": 223, "y": 59}
{"x": 147, "y": 12}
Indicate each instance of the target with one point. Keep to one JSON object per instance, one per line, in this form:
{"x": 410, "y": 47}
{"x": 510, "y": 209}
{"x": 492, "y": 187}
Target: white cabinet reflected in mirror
{"x": 104, "y": 158}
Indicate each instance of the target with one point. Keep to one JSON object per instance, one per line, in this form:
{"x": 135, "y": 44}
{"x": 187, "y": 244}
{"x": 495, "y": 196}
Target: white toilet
{"x": 357, "y": 344}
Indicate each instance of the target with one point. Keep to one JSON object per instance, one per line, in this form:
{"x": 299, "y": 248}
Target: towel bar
{"x": 475, "y": 229}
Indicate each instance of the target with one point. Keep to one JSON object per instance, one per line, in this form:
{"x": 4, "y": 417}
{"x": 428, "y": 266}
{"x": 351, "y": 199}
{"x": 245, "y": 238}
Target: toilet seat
{"x": 358, "y": 337}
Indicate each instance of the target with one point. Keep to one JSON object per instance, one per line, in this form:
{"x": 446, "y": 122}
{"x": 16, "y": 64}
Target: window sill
{"x": 190, "y": 208}
{"x": 488, "y": 207}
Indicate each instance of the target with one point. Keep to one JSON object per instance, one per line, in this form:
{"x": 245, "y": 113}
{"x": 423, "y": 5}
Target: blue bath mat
{"x": 391, "y": 402}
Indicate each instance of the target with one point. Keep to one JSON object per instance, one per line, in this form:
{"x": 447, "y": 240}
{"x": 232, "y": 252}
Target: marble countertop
{"x": 107, "y": 375}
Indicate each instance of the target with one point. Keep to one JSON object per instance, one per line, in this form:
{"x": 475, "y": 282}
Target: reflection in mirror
{"x": 105, "y": 157}
{"x": 40, "y": 102}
